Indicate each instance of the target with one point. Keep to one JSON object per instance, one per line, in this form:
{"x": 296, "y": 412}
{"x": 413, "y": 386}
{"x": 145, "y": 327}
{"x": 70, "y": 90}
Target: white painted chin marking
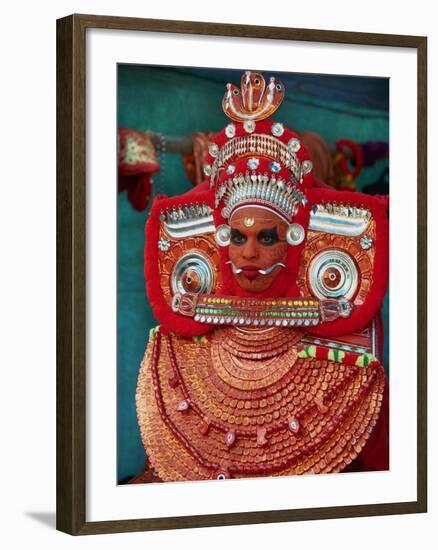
{"x": 266, "y": 271}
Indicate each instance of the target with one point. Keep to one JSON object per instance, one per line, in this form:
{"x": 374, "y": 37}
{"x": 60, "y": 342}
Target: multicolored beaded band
{"x": 234, "y": 310}
{"x": 346, "y": 358}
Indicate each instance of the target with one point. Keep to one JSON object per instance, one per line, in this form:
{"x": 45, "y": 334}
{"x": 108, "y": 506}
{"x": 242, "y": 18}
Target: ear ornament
{"x": 295, "y": 234}
{"x": 223, "y": 235}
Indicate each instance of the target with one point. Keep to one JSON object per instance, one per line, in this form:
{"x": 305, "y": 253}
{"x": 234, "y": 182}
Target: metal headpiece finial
{"x": 255, "y": 100}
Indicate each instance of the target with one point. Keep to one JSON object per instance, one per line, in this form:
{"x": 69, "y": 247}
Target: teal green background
{"x": 179, "y": 101}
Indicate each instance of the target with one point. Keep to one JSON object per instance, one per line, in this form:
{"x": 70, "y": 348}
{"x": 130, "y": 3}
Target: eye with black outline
{"x": 268, "y": 237}
{"x": 237, "y": 238}
{"x": 236, "y": 92}
{"x": 278, "y": 87}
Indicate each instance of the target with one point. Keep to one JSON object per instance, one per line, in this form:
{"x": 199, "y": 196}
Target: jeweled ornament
{"x": 294, "y": 425}
{"x": 222, "y": 474}
{"x": 294, "y": 145}
{"x": 163, "y": 244}
{"x": 249, "y": 126}
{"x": 307, "y": 166}
{"x": 274, "y": 167}
{"x": 277, "y": 129}
{"x": 183, "y": 406}
{"x": 253, "y": 163}
{"x": 230, "y": 130}
{"x": 230, "y": 438}
{"x": 213, "y": 149}
{"x": 223, "y": 235}
{"x": 366, "y": 242}
{"x": 295, "y": 234}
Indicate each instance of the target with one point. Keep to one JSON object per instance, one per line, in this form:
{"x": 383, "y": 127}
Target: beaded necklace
{"x": 294, "y": 423}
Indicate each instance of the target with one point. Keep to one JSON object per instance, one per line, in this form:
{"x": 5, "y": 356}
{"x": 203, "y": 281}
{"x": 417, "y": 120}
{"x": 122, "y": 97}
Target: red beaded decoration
{"x": 231, "y": 434}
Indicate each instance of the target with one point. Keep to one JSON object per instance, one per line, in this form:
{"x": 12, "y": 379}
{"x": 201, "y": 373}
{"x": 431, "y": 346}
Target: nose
{"x": 250, "y": 249}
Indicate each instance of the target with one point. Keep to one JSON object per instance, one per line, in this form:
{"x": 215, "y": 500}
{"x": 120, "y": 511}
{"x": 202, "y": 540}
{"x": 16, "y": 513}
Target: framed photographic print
{"x": 241, "y": 229}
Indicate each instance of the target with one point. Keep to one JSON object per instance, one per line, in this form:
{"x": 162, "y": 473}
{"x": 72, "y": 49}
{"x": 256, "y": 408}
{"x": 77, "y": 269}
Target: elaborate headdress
{"x": 255, "y": 161}
{"x": 336, "y": 266}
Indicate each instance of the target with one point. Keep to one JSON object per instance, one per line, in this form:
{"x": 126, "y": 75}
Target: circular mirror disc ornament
{"x": 193, "y": 272}
{"x": 333, "y": 274}
{"x": 223, "y": 235}
{"x": 295, "y": 234}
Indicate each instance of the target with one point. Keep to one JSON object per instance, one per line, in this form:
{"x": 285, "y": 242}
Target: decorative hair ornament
{"x": 257, "y": 162}
{"x": 259, "y": 189}
{"x": 254, "y": 101}
{"x": 262, "y": 145}
{"x": 188, "y": 220}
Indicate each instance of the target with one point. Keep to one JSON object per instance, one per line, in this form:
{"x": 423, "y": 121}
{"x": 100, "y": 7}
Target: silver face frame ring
{"x": 198, "y": 263}
{"x": 295, "y": 234}
{"x": 222, "y": 235}
{"x": 344, "y": 264}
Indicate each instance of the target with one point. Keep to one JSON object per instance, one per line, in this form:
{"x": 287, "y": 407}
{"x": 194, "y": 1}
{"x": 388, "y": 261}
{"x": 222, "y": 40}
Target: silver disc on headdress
{"x": 193, "y": 272}
{"x": 295, "y": 234}
{"x": 223, "y": 235}
{"x": 333, "y": 274}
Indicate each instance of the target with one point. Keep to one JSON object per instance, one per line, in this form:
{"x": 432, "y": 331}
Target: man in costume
{"x": 267, "y": 286}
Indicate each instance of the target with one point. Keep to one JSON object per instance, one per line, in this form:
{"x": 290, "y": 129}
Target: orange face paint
{"x": 258, "y": 247}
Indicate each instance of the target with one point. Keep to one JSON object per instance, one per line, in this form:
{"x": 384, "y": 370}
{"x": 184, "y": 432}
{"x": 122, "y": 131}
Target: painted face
{"x": 258, "y": 247}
